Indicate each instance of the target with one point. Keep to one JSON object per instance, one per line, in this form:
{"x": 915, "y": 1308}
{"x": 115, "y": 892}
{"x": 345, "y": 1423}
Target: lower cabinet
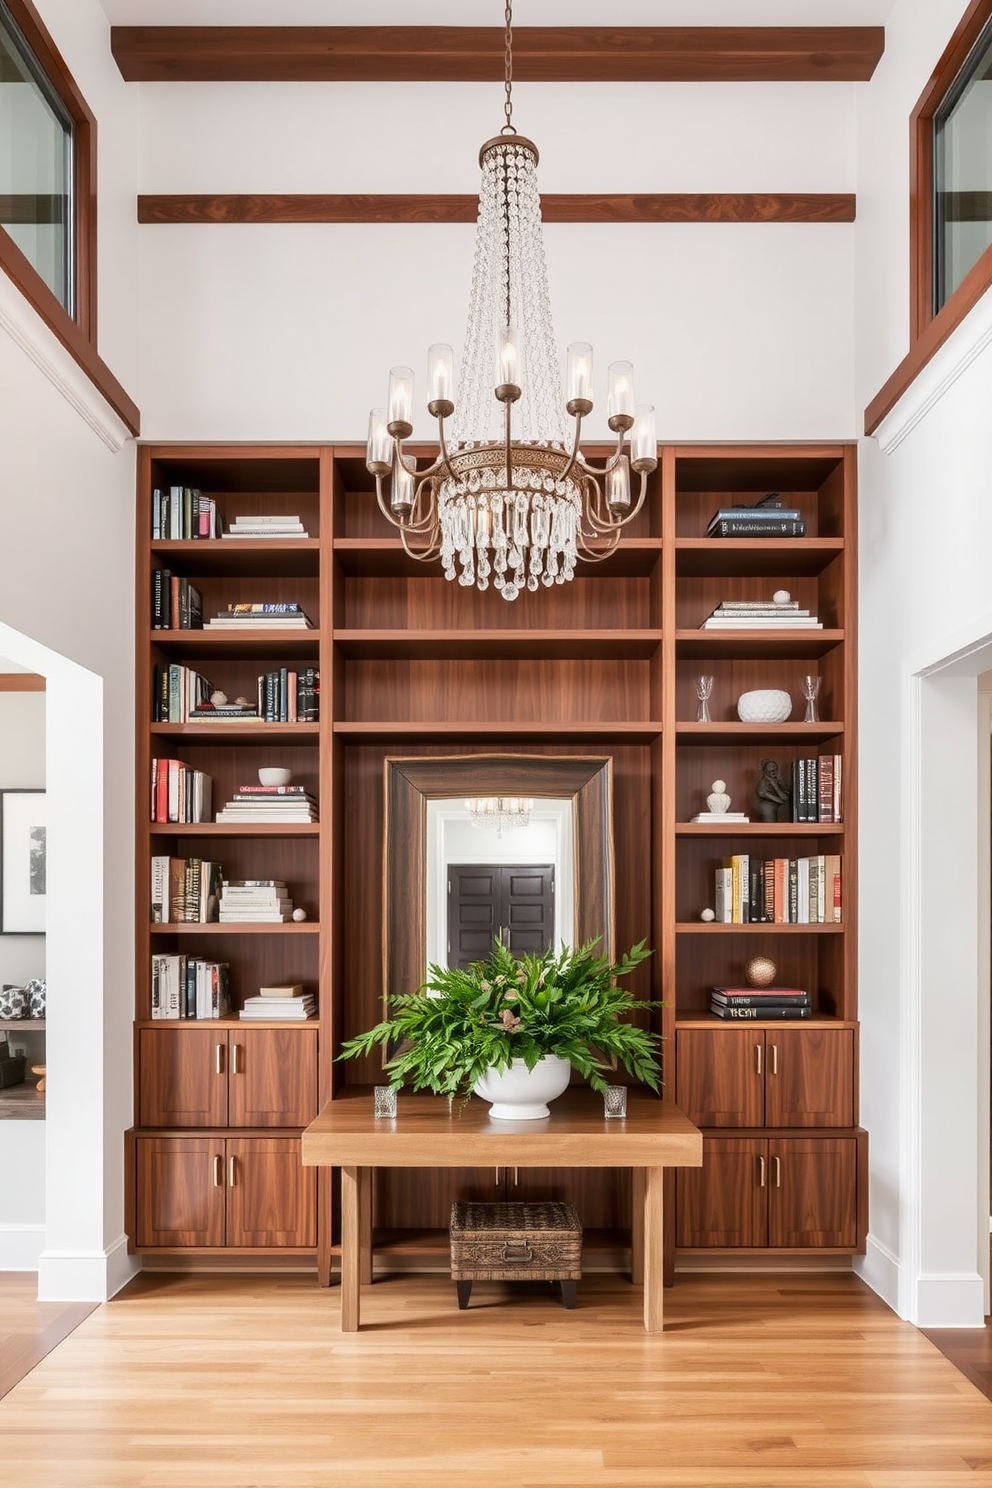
{"x": 205, "y": 1192}
{"x": 770, "y": 1192}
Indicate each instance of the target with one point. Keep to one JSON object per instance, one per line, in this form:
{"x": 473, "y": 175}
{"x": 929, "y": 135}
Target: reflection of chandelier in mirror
{"x": 518, "y": 503}
{"x": 499, "y": 813}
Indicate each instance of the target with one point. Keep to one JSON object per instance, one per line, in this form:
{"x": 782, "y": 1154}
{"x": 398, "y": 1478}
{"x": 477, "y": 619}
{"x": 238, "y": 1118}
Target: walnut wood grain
{"x": 272, "y": 1077}
{"x": 271, "y": 1199}
{"x": 811, "y": 1192}
{"x": 720, "y": 1078}
{"x": 809, "y": 1076}
{"x": 180, "y": 1203}
{"x": 723, "y": 1205}
{"x": 475, "y": 53}
{"x": 741, "y": 207}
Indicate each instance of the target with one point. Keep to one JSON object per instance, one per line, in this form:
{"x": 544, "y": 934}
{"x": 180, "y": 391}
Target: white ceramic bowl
{"x": 272, "y": 776}
{"x": 764, "y": 705}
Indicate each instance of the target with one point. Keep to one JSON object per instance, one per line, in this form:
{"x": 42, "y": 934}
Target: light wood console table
{"x": 425, "y": 1134}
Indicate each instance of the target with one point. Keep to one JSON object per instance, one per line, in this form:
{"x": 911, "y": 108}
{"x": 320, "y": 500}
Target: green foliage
{"x": 462, "y": 1023}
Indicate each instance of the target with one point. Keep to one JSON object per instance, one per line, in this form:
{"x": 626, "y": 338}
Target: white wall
{"x": 926, "y": 531}
{"x": 66, "y": 581}
{"x": 288, "y": 331}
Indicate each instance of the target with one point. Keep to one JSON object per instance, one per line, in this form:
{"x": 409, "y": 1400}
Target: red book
{"x": 826, "y": 791}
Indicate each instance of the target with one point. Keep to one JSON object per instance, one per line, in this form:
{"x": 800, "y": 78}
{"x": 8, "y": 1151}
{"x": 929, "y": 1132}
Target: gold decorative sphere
{"x": 760, "y": 971}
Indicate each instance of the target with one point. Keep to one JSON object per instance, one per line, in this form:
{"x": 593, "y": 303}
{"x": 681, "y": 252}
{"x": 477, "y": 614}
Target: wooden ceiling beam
{"x": 558, "y": 54}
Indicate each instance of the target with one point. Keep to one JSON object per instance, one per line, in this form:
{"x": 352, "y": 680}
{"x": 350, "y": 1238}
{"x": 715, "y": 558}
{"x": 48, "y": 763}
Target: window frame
{"x": 76, "y": 332}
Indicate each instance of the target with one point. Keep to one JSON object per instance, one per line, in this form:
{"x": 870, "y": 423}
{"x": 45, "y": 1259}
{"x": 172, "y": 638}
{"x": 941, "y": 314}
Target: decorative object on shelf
{"x": 500, "y": 813}
{"x": 218, "y": 698}
{"x": 704, "y": 690}
{"x": 781, "y": 612}
{"x": 510, "y": 499}
{"x": 501, "y": 1012}
{"x": 764, "y": 705}
{"x": 519, "y": 1093}
{"x": 271, "y": 775}
{"x": 707, "y": 916}
{"x": 782, "y": 597}
{"x": 760, "y": 971}
{"x": 23, "y": 817}
{"x": 41, "y": 1070}
{"x": 768, "y": 517}
{"x": 13, "y": 1003}
{"x": 384, "y": 1098}
{"x": 36, "y": 991}
{"x": 299, "y": 915}
{"x": 615, "y": 1102}
{"x": 718, "y": 806}
{"x": 771, "y": 793}
{"x": 11, "y": 1066}
{"x": 811, "y": 691}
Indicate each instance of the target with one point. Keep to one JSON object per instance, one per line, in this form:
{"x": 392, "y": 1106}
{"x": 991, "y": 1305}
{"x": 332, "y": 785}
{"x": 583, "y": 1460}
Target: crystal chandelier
{"x": 499, "y": 813}
{"x": 510, "y": 499}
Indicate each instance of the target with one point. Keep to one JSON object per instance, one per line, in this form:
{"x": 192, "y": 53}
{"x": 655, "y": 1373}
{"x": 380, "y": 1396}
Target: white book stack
{"x": 266, "y": 527}
{"x": 295, "y": 1008}
{"x": 255, "y": 901}
{"x": 261, "y": 616}
{"x": 747, "y": 614}
{"x": 270, "y": 803}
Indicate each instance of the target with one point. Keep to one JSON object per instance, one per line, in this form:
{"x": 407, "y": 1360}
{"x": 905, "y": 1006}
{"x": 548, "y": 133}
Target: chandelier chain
{"x": 508, "y": 70}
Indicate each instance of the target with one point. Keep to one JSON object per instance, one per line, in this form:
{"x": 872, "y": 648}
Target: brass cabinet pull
{"x": 774, "y": 1059}
{"x": 218, "y": 1171}
{"x": 761, "y": 1171}
{"x": 235, "y": 1059}
{"x": 220, "y": 1059}
{"x": 516, "y": 1176}
{"x": 778, "y": 1171}
{"x": 231, "y": 1171}
{"x": 757, "y": 1059}
{"x": 497, "y": 1177}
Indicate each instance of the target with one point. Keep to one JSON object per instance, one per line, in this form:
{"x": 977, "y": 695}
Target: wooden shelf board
{"x": 29, "y": 1025}
{"x": 281, "y": 732}
{"x": 370, "y": 731}
{"x": 754, "y": 557}
{"x": 235, "y": 644}
{"x": 755, "y": 643}
{"x": 758, "y": 829}
{"x": 22, "y": 1102}
{"x": 691, "y": 927}
{"x": 709, "y": 1020}
{"x": 233, "y": 829}
{"x": 383, "y": 557}
{"x": 231, "y": 1022}
{"x": 252, "y": 558}
{"x": 731, "y": 731}
{"x": 445, "y": 645}
{"x": 240, "y": 927}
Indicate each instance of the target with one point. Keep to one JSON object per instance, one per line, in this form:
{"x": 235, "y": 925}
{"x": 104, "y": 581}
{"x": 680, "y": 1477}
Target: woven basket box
{"x": 515, "y": 1242}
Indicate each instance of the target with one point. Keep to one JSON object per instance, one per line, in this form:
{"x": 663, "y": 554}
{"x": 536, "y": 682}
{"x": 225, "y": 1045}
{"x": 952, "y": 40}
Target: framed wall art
{"x": 23, "y": 826}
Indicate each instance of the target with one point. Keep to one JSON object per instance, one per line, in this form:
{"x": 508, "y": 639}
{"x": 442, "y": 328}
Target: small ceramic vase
{"x": 13, "y": 1003}
{"x": 36, "y": 992}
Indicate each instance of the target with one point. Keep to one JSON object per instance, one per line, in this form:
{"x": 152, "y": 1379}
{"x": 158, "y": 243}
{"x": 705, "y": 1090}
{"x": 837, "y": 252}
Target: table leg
{"x": 365, "y": 1223}
{"x": 351, "y": 1207}
{"x": 654, "y": 1249}
{"x": 637, "y": 1227}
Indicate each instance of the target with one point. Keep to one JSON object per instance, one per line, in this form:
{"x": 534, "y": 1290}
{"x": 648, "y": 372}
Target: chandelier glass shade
{"x": 499, "y": 813}
{"x": 510, "y": 500}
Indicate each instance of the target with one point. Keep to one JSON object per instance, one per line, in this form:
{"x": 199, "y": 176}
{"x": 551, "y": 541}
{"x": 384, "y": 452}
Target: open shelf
{"x": 450, "y": 645}
{"x": 384, "y": 557}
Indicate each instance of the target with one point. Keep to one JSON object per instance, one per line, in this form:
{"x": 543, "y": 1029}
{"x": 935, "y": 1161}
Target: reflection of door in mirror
{"x": 512, "y": 903}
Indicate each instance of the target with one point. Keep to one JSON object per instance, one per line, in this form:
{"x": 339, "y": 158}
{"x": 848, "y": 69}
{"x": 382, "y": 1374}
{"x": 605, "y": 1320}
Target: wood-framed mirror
{"x": 410, "y": 783}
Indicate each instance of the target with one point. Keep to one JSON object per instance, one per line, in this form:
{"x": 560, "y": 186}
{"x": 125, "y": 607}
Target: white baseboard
{"x": 879, "y": 1269}
{"x": 20, "y": 1246}
{"x": 85, "y": 1276}
{"x": 952, "y": 1301}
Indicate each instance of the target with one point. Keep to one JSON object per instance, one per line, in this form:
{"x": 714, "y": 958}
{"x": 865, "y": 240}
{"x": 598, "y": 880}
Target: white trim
{"x": 966, "y": 342}
{"x": 953, "y": 1301}
{"x": 911, "y": 978}
{"x": 85, "y": 1276}
{"x": 20, "y": 1246}
{"x": 26, "y": 328}
{"x": 879, "y": 1269}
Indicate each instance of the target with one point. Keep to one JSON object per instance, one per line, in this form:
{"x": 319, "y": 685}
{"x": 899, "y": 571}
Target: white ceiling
{"x": 490, "y": 12}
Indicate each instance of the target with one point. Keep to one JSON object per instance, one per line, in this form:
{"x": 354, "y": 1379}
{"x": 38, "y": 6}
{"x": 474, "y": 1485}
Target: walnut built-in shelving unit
{"x": 413, "y": 665}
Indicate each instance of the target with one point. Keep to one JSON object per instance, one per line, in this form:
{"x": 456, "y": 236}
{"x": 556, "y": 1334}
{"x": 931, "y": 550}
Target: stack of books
{"x": 274, "y": 616}
{"x": 769, "y": 517}
{"x": 236, "y": 712}
{"x": 270, "y": 803}
{"x": 280, "y": 1002}
{"x": 189, "y": 987}
{"x": 183, "y": 514}
{"x": 254, "y": 900}
{"x": 748, "y": 1003}
{"x": 265, "y": 527}
{"x": 758, "y": 614}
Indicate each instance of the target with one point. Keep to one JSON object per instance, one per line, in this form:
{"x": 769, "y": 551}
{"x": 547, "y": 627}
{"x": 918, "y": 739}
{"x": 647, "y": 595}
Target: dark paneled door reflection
{"x": 514, "y": 904}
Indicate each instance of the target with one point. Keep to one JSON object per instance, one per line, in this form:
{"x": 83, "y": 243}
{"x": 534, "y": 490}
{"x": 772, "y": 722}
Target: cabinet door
{"x": 719, "y": 1075}
{"x": 812, "y": 1192}
{"x": 180, "y": 1188}
{"x": 724, "y": 1202}
{"x": 273, "y": 1076}
{"x": 271, "y": 1196}
{"x": 182, "y": 1077}
{"x": 809, "y": 1077}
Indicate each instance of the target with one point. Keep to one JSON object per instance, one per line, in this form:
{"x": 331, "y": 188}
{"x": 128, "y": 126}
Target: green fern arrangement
{"x": 462, "y": 1023}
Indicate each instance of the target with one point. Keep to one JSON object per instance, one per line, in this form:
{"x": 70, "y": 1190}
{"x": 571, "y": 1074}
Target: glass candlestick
{"x": 385, "y": 1101}
{"x": 615, "y": 1102}
{"x": 811, "y": 691}
{"x": 704, "y": 688}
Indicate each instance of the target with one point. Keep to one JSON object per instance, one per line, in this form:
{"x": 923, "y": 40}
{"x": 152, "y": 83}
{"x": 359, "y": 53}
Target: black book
{"x": 760, "y": 999}
{"x": 747, "y": 526}
{"x": 756, "y": 1014}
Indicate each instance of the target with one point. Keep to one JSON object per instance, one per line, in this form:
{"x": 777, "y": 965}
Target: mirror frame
{"x": 410, "y": 783}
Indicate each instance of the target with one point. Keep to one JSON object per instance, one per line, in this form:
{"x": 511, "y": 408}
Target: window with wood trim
{"x": 47, "y": 176}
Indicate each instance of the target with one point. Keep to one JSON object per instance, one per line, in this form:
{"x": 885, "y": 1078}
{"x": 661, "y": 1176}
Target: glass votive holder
{"x": 385, "y": 1100}
{"x": 615, "y": 1101}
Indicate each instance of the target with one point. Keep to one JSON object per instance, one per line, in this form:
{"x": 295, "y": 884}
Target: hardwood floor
{"x": 970, "y": 1350}
{"x": 247, "y": 1382}
{"x": 30, "y": 1329}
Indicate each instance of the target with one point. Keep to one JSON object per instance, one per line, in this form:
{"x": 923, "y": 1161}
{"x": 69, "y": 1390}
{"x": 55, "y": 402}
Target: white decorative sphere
{"x": 781, "y": 596}
{"x": 764, "y": 705}
{"x": 707, "y": 915}
{"x": 718, "y": 787}
{"x": 299, "y": 914}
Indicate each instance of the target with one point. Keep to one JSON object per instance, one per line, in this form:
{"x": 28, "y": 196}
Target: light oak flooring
{"x": 246, "y": 1382}
{"x": 30, "y": 1329}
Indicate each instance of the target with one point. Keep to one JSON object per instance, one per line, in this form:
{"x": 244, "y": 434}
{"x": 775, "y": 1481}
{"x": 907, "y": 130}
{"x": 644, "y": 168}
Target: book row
{"x": 177, "y": 604}
{"x": 189, "y": 987}
{"x": 778, "y": 891}
{"x": 183, "y": 514}
{"x": 283, "y": 695}
{"x": 817, "y": 789}
{"x": 179, "y": 793}
{"x": 193, "y": 891}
